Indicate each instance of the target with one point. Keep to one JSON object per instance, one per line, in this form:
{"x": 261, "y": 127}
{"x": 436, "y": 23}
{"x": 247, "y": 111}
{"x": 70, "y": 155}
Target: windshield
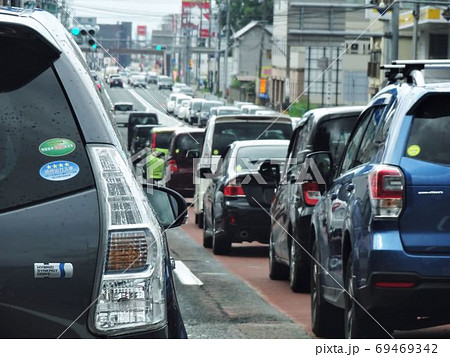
{"x": 208, "y": 105}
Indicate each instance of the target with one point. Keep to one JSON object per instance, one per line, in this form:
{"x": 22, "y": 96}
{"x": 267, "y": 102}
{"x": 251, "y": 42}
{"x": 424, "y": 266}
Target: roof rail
{"x": 411, "y": 70}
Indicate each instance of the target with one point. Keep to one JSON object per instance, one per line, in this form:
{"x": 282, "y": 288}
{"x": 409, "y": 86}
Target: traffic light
{"x": 85, "y": 35}
{"x": 160, "y": 48}
{"x": 76, "y": 34}
{"x": 381, "y": 5}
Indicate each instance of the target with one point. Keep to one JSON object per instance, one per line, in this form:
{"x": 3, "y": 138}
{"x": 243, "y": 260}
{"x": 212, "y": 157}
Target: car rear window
{"x": 123, "y": 107}
{"x": 430, "y": 132}
{"x": 185, "y": 142}
{"x": 143, "y": 119}
{"x": 163, "y": 140}
{"x": 227, "y": 133}
{"x": 208, "y": 105}
{"x": 248, "y": 158}
{"x": 42, "y": 155}
{"x": 197, "y": 106}
{"x": 332, "y": 135}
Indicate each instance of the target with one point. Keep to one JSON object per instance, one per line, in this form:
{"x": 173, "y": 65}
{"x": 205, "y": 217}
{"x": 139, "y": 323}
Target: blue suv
{"x": 381, "y": 232}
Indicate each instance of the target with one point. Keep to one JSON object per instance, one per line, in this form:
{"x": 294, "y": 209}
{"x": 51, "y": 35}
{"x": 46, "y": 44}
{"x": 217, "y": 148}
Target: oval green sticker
{"x": 57, "y": 147}
{"x": 413, "y": 150}
{"x": 216, "y": 152}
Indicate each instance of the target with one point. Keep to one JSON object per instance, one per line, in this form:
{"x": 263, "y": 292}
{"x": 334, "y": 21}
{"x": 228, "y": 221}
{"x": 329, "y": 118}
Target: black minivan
{"x": 83, "y": 254}
{"x": 325, "y": 129}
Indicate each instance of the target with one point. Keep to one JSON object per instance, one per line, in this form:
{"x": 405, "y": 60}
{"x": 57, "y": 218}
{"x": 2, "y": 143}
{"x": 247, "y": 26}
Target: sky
{"x": 140, "y": 12}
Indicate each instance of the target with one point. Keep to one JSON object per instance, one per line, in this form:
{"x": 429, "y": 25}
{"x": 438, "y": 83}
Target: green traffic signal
{"x": 75, "y": 31}
{"x": 159, "y": 48}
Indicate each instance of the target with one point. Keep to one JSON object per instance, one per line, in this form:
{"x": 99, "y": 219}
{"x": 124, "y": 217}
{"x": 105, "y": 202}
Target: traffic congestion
{"x": 133, "y": 205}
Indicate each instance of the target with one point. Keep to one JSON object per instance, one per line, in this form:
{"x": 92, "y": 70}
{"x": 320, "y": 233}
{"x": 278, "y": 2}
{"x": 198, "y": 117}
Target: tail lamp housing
{"x": 131, "y": 296}
{"x": 386, "y": 185}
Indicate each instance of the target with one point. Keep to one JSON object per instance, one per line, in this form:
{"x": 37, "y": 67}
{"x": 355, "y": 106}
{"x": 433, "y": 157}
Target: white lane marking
{"x": 184, "y": 275}
{"x": 107, "y": 96}
{"x": 149, "y": 107}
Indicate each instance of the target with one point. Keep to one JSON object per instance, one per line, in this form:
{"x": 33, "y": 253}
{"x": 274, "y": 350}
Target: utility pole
{"x": 225, "y": 57}
{"x": 395, "y": 29}
{"x": 262, "y": 24}
{"x": 188, "y": 51}
{"x": 416, "y": 14}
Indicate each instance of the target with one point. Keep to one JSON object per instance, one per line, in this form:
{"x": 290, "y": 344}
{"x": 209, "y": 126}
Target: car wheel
{"x": 326, "y": 319}
{"x": 207, "y": 234}
{"x": 357, "y": 322}
{"x": 199, "y": 218}
{"x": 299, "y": 275}
{"x": 221, "y": 244}
{"x": 277, "y": 271}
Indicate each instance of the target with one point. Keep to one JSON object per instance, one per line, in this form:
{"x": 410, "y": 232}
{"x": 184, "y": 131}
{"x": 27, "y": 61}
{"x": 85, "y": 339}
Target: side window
{"x": 363, "y": 155}
{"x": 291, "y": 156}
{"x": 375, "y": 151}
{"x": 355, "y": 140}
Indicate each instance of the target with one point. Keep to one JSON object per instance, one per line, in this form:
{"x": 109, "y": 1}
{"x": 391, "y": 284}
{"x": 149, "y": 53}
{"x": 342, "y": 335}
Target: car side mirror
{"x": 270, "y": 171}
{"x": 205, "y": 172}
{"x": 170, "y": 207}
{"x": 193, "y": 154}
{"x": 323, "y": 161}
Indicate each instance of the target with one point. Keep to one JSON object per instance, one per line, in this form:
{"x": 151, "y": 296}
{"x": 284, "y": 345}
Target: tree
{"x": 244, "y": 11}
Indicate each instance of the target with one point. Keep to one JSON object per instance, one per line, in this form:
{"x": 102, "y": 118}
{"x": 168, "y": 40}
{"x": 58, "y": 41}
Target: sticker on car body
{"x": 53, "y": 270}
{"x": 59, "y": 170}
{"x": 57, "y": 147}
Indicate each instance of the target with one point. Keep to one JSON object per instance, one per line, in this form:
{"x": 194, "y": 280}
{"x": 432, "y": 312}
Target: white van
{"x": 221, "y": 132}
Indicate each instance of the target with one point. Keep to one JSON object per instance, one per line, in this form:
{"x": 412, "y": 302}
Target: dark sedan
{"x": 238, "y": 198}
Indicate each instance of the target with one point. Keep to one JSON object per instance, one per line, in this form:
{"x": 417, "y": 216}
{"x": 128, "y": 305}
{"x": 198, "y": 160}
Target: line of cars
{"x": 360, "y": 214}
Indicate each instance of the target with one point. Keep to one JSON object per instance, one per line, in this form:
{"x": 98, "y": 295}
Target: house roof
{"x": 248, "y": 27}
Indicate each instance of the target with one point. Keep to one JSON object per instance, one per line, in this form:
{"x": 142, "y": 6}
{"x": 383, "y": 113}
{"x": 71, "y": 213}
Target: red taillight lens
{"x": 311, "y": 192}
{"x": 233, "y": 190}
{"x": 154, "y": 141}
{"x": 386, "y": 191}
{"x": 173, "y": 166}
{"x": 395, "y": 284}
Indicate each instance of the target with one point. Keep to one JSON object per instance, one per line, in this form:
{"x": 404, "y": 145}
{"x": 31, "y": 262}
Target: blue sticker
{"x": 59, "y": 170}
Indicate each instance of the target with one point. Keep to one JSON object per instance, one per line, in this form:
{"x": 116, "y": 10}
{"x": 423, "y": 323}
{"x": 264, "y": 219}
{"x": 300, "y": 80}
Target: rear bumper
{"x": 399, "y": 307}
{"x": 425, "y": 304}
{"x": 243, "y": 223}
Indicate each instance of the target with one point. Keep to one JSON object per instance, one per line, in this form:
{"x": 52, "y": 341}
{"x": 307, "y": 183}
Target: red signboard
{"x": 195, "y": 13}
{"x": 142, "y": 30}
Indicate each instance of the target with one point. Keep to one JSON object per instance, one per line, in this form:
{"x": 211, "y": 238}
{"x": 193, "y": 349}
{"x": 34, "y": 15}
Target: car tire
{"x": 326, "y": 320}
{"x": 277, "y": 271}
{"x": 357, "y": 322}
{"x": 199, "y": 218}
{"x": 221, "y": 244}
{"x": 207, "y": 234}
{"x": 299, "y": 269}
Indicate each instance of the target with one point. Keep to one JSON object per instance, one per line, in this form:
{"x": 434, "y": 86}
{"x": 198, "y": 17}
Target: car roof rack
{"x": 411, "y": 70}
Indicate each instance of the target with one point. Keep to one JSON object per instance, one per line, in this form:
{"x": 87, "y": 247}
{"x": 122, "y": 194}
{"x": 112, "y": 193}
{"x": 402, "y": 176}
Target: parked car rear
{"x": 184, "y": 149}
{"x": 139, "y": 118}
{"x": 222, "y": 131}
{"x": 235, "y": 203}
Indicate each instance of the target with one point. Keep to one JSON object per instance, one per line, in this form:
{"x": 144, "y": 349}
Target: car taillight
{"x": 386, "y": 185}
{"x": 311, "y": 192}
{"x": 233, "y": 190}
{"x": 173, "y": 166}
{"x": 132, "y": 287}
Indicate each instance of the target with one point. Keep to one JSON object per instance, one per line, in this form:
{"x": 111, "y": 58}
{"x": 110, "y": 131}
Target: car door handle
{"x": 350, "y": 187}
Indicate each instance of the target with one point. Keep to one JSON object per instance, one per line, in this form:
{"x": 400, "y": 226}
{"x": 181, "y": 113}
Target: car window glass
{"x": 332, "y": 135}
{"x": 363, "y": 154}
{"x": 375, "y": 150}
{"x": 430, "y": 133}
{"x": 354, "y": 142}
{"x": 303, "y": 140}
{"x": 163, "y": 140}
{"x": 225, "y": 134}
{"x": 248, "y": 158}
{"x": 42, "y": 154}
{"x": 185, "y": 142}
